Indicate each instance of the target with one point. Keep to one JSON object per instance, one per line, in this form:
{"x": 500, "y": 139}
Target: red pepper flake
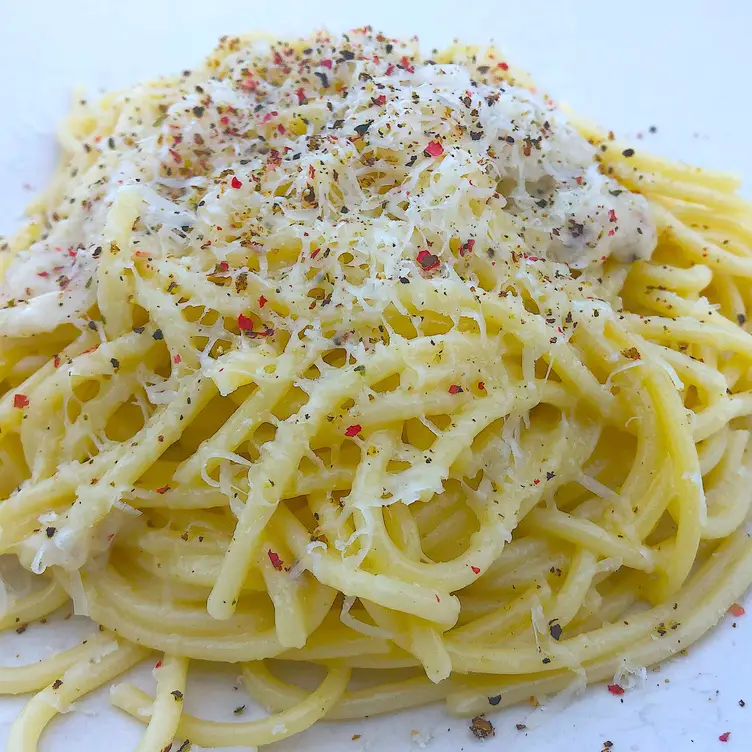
{"x": 223, "y": 266}
{"x": 504, "y": 66}
{"x": 612, "y": 232}
{"x": 536, "y": 482}
{"x": 315, "y": 253}
{"x": 269, "y": 116}
{"x": 353, "y": 430}
{"x": 158, "y": 664}
{"x": 175, "y": 156}
{"x": 380, "y": 100}
{"x": 56, "y": 361}
{"x": 20, "y": 400}
{"x": 579, "y": 180}
{"x": 275, "y": 560}
{"x": 616, "y": 689}
{"x": 736, "y": 609}
{"x": 327, "y": 64}
{"x": 482, "y": 385}
{"x": 428, "y": 261}
{"x": 406, "y": 65}
{"x": 455, "y": 389}
{"x": 611, "y": 215}
{"x": 176, "y": 358}
{"x": 475, "y": 569}
{"x": 468, "y": 247}
{"x": 436, "y": 595}
{"x": 390, "y": 69}
{"x": 300, "y": 93}
{"x": 163, "y": 490}
{"x": 724, "y": 737}
{"x": 43, "y": 274}
{"x": 235, "y": 183}
{"x": 262, "y": 301}
{"x": 281, "y": 129}
{"x": 311, "y": 172}
{"x": 434, "y": 149}
{"x": 244, "y": 323}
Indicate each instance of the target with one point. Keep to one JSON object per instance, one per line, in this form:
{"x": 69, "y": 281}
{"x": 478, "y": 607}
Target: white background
{"x": 682, "y": 66}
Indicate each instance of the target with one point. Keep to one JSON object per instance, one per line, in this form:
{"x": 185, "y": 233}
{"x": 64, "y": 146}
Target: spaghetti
{"x": 373, "y": 362}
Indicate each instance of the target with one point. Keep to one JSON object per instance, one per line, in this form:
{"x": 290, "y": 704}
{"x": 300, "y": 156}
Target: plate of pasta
{"x": 345, "y": 378}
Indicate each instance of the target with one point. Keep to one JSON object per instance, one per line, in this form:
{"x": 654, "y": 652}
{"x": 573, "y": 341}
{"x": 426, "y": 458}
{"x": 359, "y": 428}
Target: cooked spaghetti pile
{"x": 329, "y": 352}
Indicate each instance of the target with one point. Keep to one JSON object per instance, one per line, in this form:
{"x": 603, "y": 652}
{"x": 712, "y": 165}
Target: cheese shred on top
{"x": 332, "y": 169}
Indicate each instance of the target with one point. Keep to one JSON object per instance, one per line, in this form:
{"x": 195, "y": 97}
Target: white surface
{"x": 677, "y": 65}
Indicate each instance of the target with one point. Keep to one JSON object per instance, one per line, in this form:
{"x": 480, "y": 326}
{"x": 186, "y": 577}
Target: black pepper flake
{"x": 495, "y": 700}
{"x": 22, "y": 628}
{"x": 509, "y": 139}
{"x": 177, "y": 694}
{"x": 576, "y": 228}
{"x": 111, "y": 142}
{"x": 404, "y": 280}
{"x": 410, "y": 162}
{"x": 742, "y": 703}
{"x": 520, "y": 726}
{"x": 628, "y": 153}
{"x": 347, "y": 55}
{"x": 50, "y": 531}
{"x": 324, "y": 78}
{"x": 616, "y": 193}
{"x": 344, "y": 210}
{"x": 198, "y": 111}
{"x": 653, "y": 129}
{"x": 158, "y": 334}
{"x": 138, "y": 329}
{"x": 97, "y": 252}
{"x": 476, "y": 135}
{"x": 239, "y": 710}
{"x": 546, "y": 660}
{"x": 741, "y": 318}
{"x": 542, "y": 203}
{"x": 92, "y": 325}
{"x": 555, "y": 629}
{"x": 389, "y": 48}
{"x": 115, "y": 363}
{"x": 362, "y": 129}
{"x": 57, "y": 684}
{"x": 608, "y": 744}
{"x": 482, "y": 728}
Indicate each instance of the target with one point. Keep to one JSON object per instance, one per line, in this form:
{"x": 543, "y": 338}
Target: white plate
{"x": 675, "y": 65}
